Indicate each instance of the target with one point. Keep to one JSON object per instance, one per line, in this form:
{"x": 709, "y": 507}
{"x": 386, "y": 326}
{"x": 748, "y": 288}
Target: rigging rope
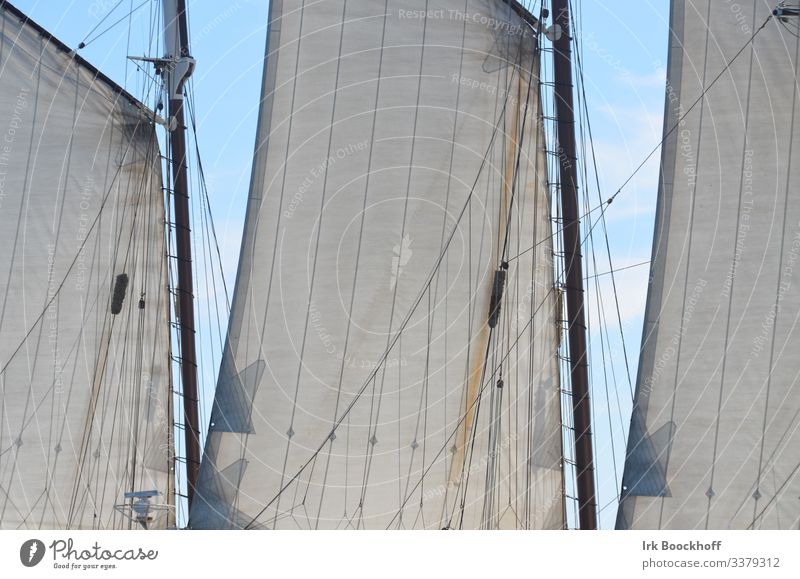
{"x": 484, "y": 383}
{"x": 86, "y": 42}
{"x": 687, "y": 111}
{"x": 414, "y": 304}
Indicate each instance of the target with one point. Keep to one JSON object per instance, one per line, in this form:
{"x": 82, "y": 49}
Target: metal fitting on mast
{"x": 783, "y": 12}
{"x": 177, "y": 64}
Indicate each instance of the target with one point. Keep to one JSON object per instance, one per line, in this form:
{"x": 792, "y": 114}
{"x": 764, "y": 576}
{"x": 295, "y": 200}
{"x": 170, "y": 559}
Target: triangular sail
{"x": 84, "y": 336}
{"x": 400, "y": 160}
{"x": 715, "y": 434}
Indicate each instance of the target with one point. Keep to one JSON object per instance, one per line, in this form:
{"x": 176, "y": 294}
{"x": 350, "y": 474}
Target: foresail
{"x": 715, "y": 437}
{"x": 84, "y": 336}
{"x": 400, "y": 161}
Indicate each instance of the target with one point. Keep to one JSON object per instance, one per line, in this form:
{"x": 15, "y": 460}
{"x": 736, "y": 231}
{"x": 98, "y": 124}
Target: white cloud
{"x": 655, "y": 79}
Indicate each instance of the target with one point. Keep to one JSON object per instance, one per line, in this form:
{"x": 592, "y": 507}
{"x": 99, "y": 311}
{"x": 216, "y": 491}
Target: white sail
{"x": 715, "y": 437}
{"x": 84, "y": 336}
{"x": 359, "y": 388}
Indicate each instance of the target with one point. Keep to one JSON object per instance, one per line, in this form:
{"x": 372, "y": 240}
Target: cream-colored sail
{"x": 84, "y": 337}
{"x": 715, "y": 437}
{"x": 399, "y": 151}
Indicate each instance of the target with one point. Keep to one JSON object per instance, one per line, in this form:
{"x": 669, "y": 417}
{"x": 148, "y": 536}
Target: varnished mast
{"x": 571, "y": 227}
{"x": 177, "y": 70}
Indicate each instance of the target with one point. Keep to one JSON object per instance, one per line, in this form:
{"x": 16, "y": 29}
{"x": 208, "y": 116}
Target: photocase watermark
{"x": 319, "y": 329}
{"x": 744, "y": 220}
{"x": 7, "y": 146}
{"x": 84, "y": 222}
{"x": 51, "y": 320}
{"x": 474, "y": 467}
{"x": 100, "y": 8}
{"x": 564, "y": 160}
{"x": 687, "y": 152}
{"x": 159, "y": 416}
{"x": 95, "y": 556}
{"x": 461, "y": 16}
{"x": 490, "y": 88}
{"x": 422, "y": 14}
{"x": 364, "y": 364}
{"x": 219, "y": 20}
{"x": 66, "y": 555}
{"x": 684, "y": 144}
{"x": 318, "y": 171}
{"x": 348, "y": 360}
{"x": 31, "y": 552}
{"x": 671, "y": 350}
{"x": 605, "y": 55}
{"x": 402, "y": 253}
{"x": 740, "y": 16}
{"x": 787, "y": 273}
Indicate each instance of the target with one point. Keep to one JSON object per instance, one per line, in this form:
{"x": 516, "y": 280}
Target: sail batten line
{"x": 688, "y": 259}
{"x": 779, "y": 287}
{"x": 25, "y": 190}
{"x": 316, "y": 253}
{"x": 471, "y": 425}
{"x": 733, "y": 272}
{"x": 101, "y": 364}
{"x": 128, "y": 457}
{"x": 230, "y": 500}
{"x": 448, "y": 191}
{"x": 280, "y": 212}
{"x": 678, "y": 377}
{"x": 99, "y": 370}
{"x": 716, "y": 452}
{"x": 416, "y": 302}
{"x": 74, "y": 118}
{"x": 63, "y": 177}
{"x": 363, "y": 213}
{"x": 474, "y": 374}
{"x": 689, "y": 109}
{"x": 66, "y": 275}
{"x": 517, "y": 145}
{"x": 782, "y": 441}
{"x": 55, "y": 295}
{"x": 775, "y": 496}
{"x": 484, "y": 383}
{"x": 371, "y": 447}
{"x": 394, "y": 340}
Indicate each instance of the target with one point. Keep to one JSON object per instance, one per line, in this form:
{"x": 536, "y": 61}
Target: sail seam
{"x": 690, "y": 227}
{"x": 778, "y": 295}
{"x": 734, "y": 265}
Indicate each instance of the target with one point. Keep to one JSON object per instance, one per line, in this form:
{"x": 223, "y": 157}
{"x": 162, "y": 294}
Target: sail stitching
{"x": 778, "y": 292}
{"x": 734, "y": 265}
{"x": 690, "y": 227}
{"x": 371, "y": 447}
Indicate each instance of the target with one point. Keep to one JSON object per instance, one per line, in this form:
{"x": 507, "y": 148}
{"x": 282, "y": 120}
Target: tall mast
{"x": 571, "y": 227}
{"x": 179, "y": 66}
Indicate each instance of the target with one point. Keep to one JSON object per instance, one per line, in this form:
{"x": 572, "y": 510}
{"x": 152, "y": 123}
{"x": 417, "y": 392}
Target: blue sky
{"x": 624, "y": 50}
{"x": 623, "y": 45}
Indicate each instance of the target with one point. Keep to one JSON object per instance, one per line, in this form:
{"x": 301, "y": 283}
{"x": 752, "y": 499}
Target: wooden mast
{"x": 571, "y": 227}
{"x": 179, "y": 66}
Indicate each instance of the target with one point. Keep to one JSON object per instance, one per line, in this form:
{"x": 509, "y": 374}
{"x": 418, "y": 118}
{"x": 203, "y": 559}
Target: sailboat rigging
{"x": 84, "y": 346}
{"x": 410, "y": 259}
{"x": 361, "y": 391}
